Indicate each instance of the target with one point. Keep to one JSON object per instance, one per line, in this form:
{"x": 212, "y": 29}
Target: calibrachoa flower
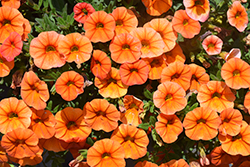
{"x": 106, "y": 152}
{"x": 82, "y": 11}
{"x": 125, "y": 20}
{"x": 145, "y": 164}
{"x": 26, "y": 29}
{"x": 14, "y": 114}
{"x": 239, "y": 144}
{"x": 125, "y": 48}
{"x": 237, "y": 16}
{"x": 99, "y": 114}
{"x": 236, "y": 73}
{"x": 157, "y": 7}
{"x": 175, "y": 54}
{"x": 212, "y": 45}
{"x": 20, "y": 143}
{"x": 170, "y": 98}
{"x": 11, "y": 3}
{"x": 52, "y": 144}
{"x": 234, "y": 53}
{"x": 168, "y": 127}
{"x": 100, "y": 64}
{"x": 197, "y": 9}
{"x": 69, "y": 85}
{"x": 5, "y": 66}
{"x": 134, "y": 73}
{"x": 3, "y": 155}
{"x": 184, "y": 25}
{"x": 44, "y": 50}
{"x": 216, "y": 95}
{"x": 133, "y": 140}
{"x": 71, "y": 125}
{"x": 175, "y": 163}
{"x": 99, "y": 27}
{"x": 247, "y": 101}
{"x": 201, "y": 124}
{"x": 34, "y": 92}
{"x": 75, "y": 47}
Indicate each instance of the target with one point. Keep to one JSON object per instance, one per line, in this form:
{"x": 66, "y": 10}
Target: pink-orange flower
{"x": 82, "y": 11}
{"x": 5, "y": 66}
{"x": 157, "y": 7}
{"x": 145, "y": 164}
{"x": 175, "y": 54}
{"x": 26, "y": 29}
{"x": 11, "y": 3}
{"x": 197, "y": 9}
{"x": 212, "y": 45}
{"x": 175, "y": 163}
{"x": 247, "y": 101}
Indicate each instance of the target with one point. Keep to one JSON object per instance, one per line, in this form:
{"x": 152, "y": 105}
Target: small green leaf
{"x": 195, "y": 105}
{"x": 152, "y": 120}
{"x": 144, "y": 126}
{"x": 148, "y": 94}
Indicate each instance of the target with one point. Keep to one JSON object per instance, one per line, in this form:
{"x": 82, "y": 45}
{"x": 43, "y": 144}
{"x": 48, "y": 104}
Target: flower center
{"x": 133, "y": 105}
{"x": 70, "y": 83}
{"x": 194, "y": 77}
{"x": 199, "y": 3}
{"x": 168, "y": 97}
{"x": 71, "y": 124}
{"x": 1, "y": 60}
{"x": 154, "y": 62}
{"x": 34, "y": 88}
{"x": 100, "y": 113}
{"x": 236, "y": 73}
{"x": 74, "y": 48}
{"x": 226, "y": 120}
{"x": 185, "y": 22}
{"x": 13, "y": 115}
{"x": 134, "y": 70}
{"x": 106, "y": 155}
{"x": 98, "y": 62}
{"x": 99, "y": 25}
{"x": 145, "y": 43}
{"x": 237, "y": 14}
{"x": 127, "y": 138}
{"x": 119, "y": 23}
{"x": 211, "y": 45}
{"x": 170, "y": 122}
{"x": 85, "y": 11}
{"x": 201, "y": 121}
{"x": 18, "y": 141}
{"x": 38, "y": 120}
{"x": 6, "y": 22}
{"x": 237, "y": 137}
{"x": 112, "y": 80}
{"x": 175, "y": 76}
{"x": 50, "y": 49}
{"x": 125, "y": 47}
{"x": 216, "y": 94}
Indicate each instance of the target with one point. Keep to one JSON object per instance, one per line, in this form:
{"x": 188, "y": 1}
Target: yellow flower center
{"x": 99, "y": 25}
{"x": 236, "y": 73}
{"x": 74, "y": 48}
{"x": 216, "y": 95}
{"x": 201, "y": 121}
{"x": 168, "y": 97}
{"x": 13, "y": 115}
{"x": 106, "y": 155}
{"x": 211, "y": 45}
{"x": 6, "y": 22}
{"x": 125, "y": 47}
{"x": 119, "y": 23}
{"x": 38, "y": 120}
{"x": 50, "y": 49}
{"x": 185, "y": 22}
{"x": 69, "y": 83}
{"x": 133, "y": 105}
{"x": 111, "y": 80}
{"x": 134, "y": 70}
{"x": 175, "y": 76}
{"x": 237, "y": 14}
{"x": 71, "y": 124}
{"x": 145, "y": 44}
{"x": 85, "y": 11}
{"x": 128, "y": 138}
{"x": 237, "y": 137}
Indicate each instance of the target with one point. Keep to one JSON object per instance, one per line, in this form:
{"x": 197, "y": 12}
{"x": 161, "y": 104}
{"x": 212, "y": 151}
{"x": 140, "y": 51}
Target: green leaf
{"x": 180, "y": 38}
{"x": 144, "y": 126}
{"x": 152, "y": 109}
{"x": 148, "y": 94}
{"x": 152, "y": 120}
{"x": 90, "y": 141}
{"x": 84, "y": 152}
{"x": 156, "y": 138}
{"x": 49, "y": 105}
{"x": 195, "y": 105}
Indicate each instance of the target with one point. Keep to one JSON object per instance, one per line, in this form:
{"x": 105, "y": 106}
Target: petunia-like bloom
{"x": 236, "y": 73}
{"x": 99, "y": 27}
{"x": 26, "y": 29}
{"x": 157, "y": 7}
{"x": 71, "y": 126}
{"x": 134, "y": 73}
{"x": 42, "y": 123}
{"x": 34, "y": 92}
{"x": 199, "y": 77}
{"x": 177, "y": 72}
{"x": 197, "y": 9}
{"x": 14, "y": 114}
{"x": 201, "y": 124}
{"x": 69, "y": 85}
{"x": 168, "y": 127}
{"x": 145, "y": 164}
{"x": 151, "y": 41}
{"x": 175, "y": 163}
{"x": 237, "y": 16}
{"x": 100, "y": 64}
{"x": 3, "y": 155}
{"x": 111, "y": 86}
{"x": 125, "y": 48}
{"x": 12, "y": 46}
{"x": 164, "y": 28}
{"x": 20, "y": 143}
{"x": 99, "y": 114}
{"x": 52, "y": 144}
{"x": 239, "y": 144}
{"x": 11, "y": 3}
{"x": 125, "y": 20}
{"x": 11, "y": 21}
{"x": 175, "y": 54}
{"x": 216, "y": 95}
{"x": 212, "y": 45}
{"x": 156, "y": 65}
{"x": 133, "y": 140}
{"x": 44, "y": 50}
{"x": 82, "y": 11}
{"x": 185, "y": 25}
{"x": 247, "y": 102}
{"x": 75, "y": 47}
{"x": 106, "y": 152}
{"x": 170, "y": 98}
{"x": 5, "y": 66}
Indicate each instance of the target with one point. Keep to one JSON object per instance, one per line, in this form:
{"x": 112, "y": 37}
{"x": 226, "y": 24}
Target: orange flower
{"x": 11, "y": 3}
{"x": 52, "y": 144}
{"x": 236, "y": 73}
{"x": 125, "y": 48}
{"x": 199, "y": 77}
{"x": 201, "y": 124}
{"x": 26, "y": 29}
{"x": 216, "y": 95}
{"x": 197, "y": 9}
{"x": 175, "y": 163}
{"x": 164, "y": 28}
{"x": 212, "y": 45}
{"x": 145, "y": 164}
{"x": 12, "y": 46}
{"x": 177, "y": 72}
{"x": 43, "y": 123}
{"x": 152, "y": 43}
{"x": 247, "y": 101}
{"x": 5, "y": 66}
{"x": 75, "y": 47}
{"x": 34, "y": 92}
{"x": 14, "y": 114}
{"x": 237, "y": 16}
{"x": 44, "y": 50}
{"x": 99, "y": 114}
{"x": 133, "y": 140}
{"x": 3, "y": 155}
{"x": 157, "y": 7}
{"x": 82, "y": 11}
{"x": 99, "y": 27}
{"x": 106, "y": 152}
{"x": 239, "y": 144}
{"x": 69, "y": 85}
{"x": 170, "y": 98}
{"x": 11, "y": 21}
{"x": 112, "y": 85}
{"x": 125, "y": 20}
{"x": 20, "y": 143}
{"x": 100, "y": 64}
{"x": 71, "y": 126}
{"x": 184, "y": 25}
{"x": 175, "y": 54}
{"x": 134, "y": 73}
{"x": 168, "y": 127}
{"x": 156, "y": 65}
